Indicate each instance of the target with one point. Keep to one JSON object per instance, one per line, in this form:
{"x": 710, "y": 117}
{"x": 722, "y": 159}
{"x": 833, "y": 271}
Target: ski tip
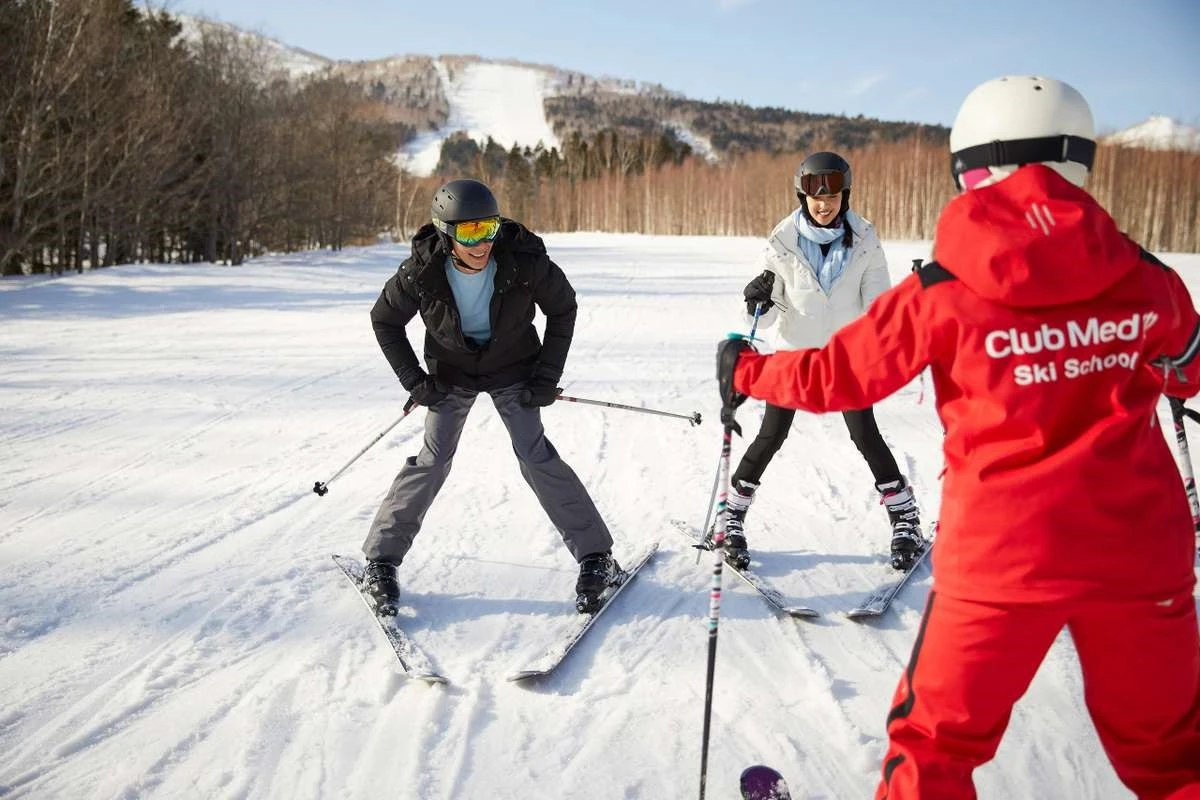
{"x": 761, "y": 782}
{"x": 864, "y": 614}
{"x": 801, "y": 612}
{"x": 431, "y": 678}
{"x": 526, "y": 674}
{"x": 346, "y": 562}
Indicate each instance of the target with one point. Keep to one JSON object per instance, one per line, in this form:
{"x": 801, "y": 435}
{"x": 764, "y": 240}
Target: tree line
{"x": 728, "y": 127}
{"x": 119, "y": 143}
{"x": 654, "y": 185}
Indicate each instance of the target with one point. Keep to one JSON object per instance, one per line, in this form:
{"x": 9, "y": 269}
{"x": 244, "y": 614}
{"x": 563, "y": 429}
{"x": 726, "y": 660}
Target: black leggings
{"x": 778, "y": 421}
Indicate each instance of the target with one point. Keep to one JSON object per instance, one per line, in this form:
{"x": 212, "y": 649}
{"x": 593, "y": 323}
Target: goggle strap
{"x": 1025, "y": 151}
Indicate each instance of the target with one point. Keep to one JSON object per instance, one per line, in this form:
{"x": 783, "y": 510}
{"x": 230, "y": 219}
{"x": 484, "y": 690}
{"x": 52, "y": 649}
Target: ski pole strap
{"x": 693, "y": 418}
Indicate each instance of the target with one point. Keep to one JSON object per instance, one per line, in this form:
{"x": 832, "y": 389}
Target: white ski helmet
{"x": 1016, "y": 120}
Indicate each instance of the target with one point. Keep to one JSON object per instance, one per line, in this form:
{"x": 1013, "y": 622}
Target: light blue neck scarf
{"x": 826, "y": 266}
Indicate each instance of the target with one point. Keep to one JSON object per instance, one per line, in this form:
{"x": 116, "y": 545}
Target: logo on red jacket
{"x": 1093, "y": 335}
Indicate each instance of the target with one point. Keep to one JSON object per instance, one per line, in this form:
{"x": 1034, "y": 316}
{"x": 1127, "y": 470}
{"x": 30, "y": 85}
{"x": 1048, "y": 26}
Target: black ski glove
{"x": 539, "y": 393}
{"x": 759, "y": 291}
{"x": 427, "y": 392}
{"x": 728, "y": 353}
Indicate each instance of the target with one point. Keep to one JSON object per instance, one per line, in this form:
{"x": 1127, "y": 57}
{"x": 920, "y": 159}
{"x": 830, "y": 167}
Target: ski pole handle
{"x": 693, "y": 418}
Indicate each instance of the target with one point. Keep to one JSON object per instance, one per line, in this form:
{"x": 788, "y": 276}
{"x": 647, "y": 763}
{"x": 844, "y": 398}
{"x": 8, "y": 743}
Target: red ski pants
{"x": 972, "y": 661}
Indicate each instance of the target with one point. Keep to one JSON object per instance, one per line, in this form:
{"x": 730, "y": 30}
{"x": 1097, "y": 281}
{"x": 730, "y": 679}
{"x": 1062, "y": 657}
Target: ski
{"x": 763, "y": 783}
{"x": 557, "y": 653}
{"x": 415, "y": 664}
{"x": 880, "y": 600}
{"x": 769, "y": 593}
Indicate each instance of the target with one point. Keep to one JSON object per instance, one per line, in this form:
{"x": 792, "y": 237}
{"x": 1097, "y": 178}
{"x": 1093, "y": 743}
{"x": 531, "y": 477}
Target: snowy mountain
{"x": 523, "y": 104}
{"x": 1157, "y": 133}
{"x": 172, "y": 625}
{"x": 500, "y": 99}
{"x": 282, "y": 58}
{"x": 503, "y": 100}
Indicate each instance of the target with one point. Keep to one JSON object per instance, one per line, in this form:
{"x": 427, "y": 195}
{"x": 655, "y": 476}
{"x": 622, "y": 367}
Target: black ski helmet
{"x": 823, "y": 163}
{"x": 462, "y": 200}
{"x": 815, "y": 167}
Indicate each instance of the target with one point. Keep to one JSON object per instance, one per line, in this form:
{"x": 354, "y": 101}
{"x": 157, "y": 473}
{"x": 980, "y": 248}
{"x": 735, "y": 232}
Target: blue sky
{"x": 898, "y": 60}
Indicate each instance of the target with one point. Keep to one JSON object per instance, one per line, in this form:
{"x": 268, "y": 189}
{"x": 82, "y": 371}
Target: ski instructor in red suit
{"x": 1050, "y": 338}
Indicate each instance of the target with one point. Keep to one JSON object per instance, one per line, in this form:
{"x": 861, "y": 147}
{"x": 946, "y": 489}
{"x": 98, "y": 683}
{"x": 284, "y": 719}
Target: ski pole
{"x": 693, "y": 418}
{"x": 1178, "y": 413}
{"x": 714, "y": 598}
{"x": 322, "y": 487}
{"x": 712, "y": 499}
{"x": 758, "y": 312}
{"x": 712, "y": 496}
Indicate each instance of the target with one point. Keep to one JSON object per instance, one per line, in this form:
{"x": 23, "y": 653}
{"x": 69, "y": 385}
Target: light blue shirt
{"x": 473, "y": 296}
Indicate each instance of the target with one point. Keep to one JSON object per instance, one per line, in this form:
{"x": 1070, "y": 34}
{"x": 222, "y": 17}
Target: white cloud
{"x": 866, "y": 84}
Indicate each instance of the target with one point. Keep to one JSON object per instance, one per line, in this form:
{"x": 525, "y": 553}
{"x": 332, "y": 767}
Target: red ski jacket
{"x": 1050, "y": 337}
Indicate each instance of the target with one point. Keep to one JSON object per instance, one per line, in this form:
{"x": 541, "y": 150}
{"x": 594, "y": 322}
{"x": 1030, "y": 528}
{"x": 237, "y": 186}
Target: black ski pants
{"x": 864, "y": 432}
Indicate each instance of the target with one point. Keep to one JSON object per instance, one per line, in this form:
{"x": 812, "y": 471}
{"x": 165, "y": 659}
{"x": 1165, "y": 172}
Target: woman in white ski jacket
{"x": 822, "y": 266}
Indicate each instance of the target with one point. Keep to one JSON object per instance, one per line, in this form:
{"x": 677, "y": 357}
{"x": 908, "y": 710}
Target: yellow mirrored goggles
{"x": 475, "y": 231}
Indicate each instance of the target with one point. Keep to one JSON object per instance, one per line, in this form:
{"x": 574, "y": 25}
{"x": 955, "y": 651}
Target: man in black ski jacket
{"x": 475, "y": 278}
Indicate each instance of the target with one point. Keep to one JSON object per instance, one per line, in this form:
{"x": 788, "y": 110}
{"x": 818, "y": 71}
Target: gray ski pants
{"x": 556, "y": 485}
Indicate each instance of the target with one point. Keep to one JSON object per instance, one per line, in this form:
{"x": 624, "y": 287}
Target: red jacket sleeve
{"x": 864, "y": 362}
{"x": 1182, "y": 344}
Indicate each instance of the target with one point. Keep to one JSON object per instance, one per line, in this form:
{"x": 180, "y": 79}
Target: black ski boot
{"x": 380, "y": 586}
{"x": 737, "y": 550}
{"x": 597, "y": 572}
{"x": 907, "y": 541}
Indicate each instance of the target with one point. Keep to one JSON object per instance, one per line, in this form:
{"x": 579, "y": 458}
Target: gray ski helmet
{"x": 817, "y": 171}
{"x": 462, "y": 200}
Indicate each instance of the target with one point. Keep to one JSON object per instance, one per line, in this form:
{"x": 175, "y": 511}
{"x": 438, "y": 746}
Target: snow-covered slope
{"x": 171, "y": 624}
{"x": 503, "y": 101}
{"x": 1158, "y": 133}
{"x": 701, "y": 145}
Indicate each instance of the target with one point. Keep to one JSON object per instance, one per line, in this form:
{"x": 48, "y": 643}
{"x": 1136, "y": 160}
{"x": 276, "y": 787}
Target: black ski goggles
{"x": 819, "y": 183}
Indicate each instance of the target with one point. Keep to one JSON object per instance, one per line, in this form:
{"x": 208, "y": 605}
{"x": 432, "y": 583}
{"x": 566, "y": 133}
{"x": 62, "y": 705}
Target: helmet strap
{"x": 448, "y": 241}
{"x": 464, "y": 266}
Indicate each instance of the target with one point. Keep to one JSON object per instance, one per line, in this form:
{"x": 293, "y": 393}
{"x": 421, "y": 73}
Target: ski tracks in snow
{"x": 173, "y": 627}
